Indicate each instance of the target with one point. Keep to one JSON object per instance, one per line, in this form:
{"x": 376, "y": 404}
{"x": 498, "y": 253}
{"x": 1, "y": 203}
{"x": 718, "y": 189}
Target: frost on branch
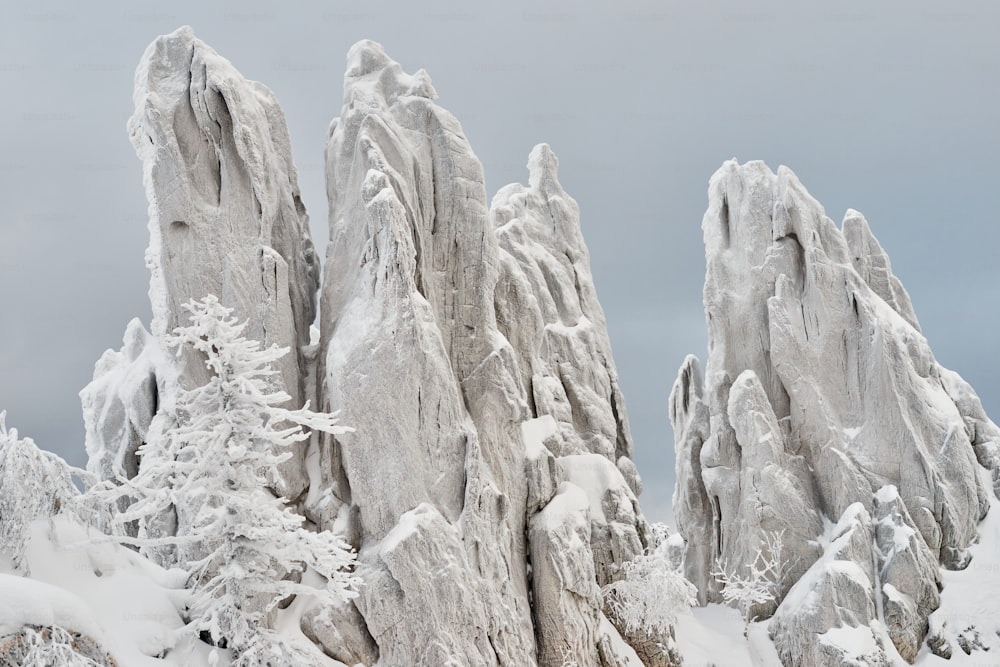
{"x": 209, "y": 465}
{"x": 645, "y": 601}
{"x": 756, "y": 590}
{"x": 34, "y": 484}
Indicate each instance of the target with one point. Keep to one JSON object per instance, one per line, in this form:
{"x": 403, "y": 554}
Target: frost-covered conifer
{"x": 211, "y": 464}
{"x": 34, "y": 484}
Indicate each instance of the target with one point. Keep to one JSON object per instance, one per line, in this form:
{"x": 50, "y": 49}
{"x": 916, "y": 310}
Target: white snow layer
{"x": 83, "y": 583}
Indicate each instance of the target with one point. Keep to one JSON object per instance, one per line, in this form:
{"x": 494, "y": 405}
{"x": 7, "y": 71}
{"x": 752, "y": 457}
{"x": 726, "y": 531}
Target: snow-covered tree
{"x": 34, "y": 484}
{"x": 211, "y": 464}
{"x": 758, "y": 586}
{"x": 646, "y": 600}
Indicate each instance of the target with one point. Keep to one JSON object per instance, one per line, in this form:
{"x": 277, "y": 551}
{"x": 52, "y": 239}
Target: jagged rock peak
{"x": 543, "y": 254}
{"x": 446, "y": 327}
{"x": 225, "y": 212}
{"x": 225, "y": 218}
{"x": 819, "y": 391}
{"x": 368, "y": 60}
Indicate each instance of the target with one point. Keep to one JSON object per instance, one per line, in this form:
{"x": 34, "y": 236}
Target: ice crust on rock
{"x": 445, "y": 326}
{"x": 819, "y": 391}
{"x": 128, "y": 388}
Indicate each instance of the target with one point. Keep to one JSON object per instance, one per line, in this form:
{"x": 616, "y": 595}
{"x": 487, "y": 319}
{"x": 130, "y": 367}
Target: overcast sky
{"x": 889, "y": 107}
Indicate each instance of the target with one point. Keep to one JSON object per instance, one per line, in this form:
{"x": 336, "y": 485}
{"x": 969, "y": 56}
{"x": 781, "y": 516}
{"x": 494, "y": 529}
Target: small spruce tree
{"x": 212, "y": 464}
{"x": 645, "y": 601}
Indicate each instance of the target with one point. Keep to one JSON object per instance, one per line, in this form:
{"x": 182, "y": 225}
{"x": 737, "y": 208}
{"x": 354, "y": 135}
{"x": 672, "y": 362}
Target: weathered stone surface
{"x": 618, "y": 531}
{"x": 445, "y": 327}
{"x": 872, "y": 264}
{"x": 567, "y": 599}
{"x": 342, "y": 634}
{"x": 225, "y": 213}
{"x": 981, "y": 431}
{"x": 775, "y": 488}
{"x": 421, "y": 599}
{"x": 819, "y": 390}
{"x": 412, "y": 360}
{"x": 696, "y": 524}
{"x": 541, "y": 469}
{"x": 547, "y": 307}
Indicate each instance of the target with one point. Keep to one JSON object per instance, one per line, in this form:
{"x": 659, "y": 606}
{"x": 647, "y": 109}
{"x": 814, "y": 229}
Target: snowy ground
{"x": 713, "y": 636}
{"x": 102, "y": 590}
{"x": 130, "y": 606}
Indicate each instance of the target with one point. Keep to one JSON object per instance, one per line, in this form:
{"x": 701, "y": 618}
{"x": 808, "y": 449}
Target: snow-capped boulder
{"x": 445, "y": 327}
{"x": 817, "y": 371}
{"x": 341, "y": 633}
{"x": 41, "y": 624}
{"x": 825, "y": 617}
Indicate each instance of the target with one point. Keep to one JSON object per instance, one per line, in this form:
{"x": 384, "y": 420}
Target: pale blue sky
{"x": 890, "y": 108}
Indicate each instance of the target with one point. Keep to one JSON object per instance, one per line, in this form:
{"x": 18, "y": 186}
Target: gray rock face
{"x": 405, "y": 613}
{"x": 445, "y": 327}
{"x": 774, "y": 487}
{"x": 341, "y": 633}
{"x": 225, "y": 213}
{"x": 819, "y": 390}
{"x": 225, "y": 218}
{"x": 547, "y": 307}
{"x": 908, "y": 574}
{"x": 692, "y": 506}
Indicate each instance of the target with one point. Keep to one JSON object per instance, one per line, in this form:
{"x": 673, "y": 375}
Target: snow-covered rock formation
{"x": 487, "y": 483}
{"x": 445, "y": 326}
{"x": 822, "y": 404}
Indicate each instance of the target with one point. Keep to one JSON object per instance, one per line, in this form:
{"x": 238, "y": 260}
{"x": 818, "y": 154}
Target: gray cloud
{"x": 888, "y": 108}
